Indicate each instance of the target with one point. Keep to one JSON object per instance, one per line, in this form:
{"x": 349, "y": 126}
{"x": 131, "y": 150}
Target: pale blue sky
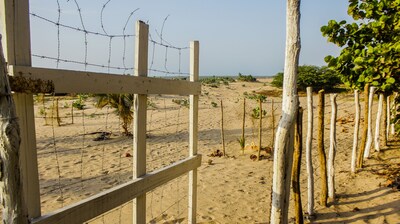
{"x": 235, "y": 36}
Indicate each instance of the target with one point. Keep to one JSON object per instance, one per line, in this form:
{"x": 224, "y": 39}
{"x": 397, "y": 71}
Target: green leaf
{"x": 390, "y": 80}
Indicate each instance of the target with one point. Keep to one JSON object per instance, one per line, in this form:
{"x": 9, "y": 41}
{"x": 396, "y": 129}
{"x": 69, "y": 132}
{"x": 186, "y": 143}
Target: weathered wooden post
{"x": 298, "y": 149}
{"x": 260, "y": 130}
{"x": 222, "y": 128}
{"x": 17, "y": 51}
{"x": 332, "y": 150}
{"x": 356, "y": 130}
{"x": 283, "y": 149}
{"x": 310, "y": 170}
{"x": 365, "y": 129}
{"x": 321, "y": 147}
{"x": 377, "y": 140}
{"x": 140, "y": 119}
{"x": 369, "y": 130}
{"x": 193, "y": 130}
{"x": 243, "y": 140}
{"x": 10, "y": 182}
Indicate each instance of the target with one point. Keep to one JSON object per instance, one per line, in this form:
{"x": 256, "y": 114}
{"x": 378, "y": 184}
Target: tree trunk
{"x": 310, "y": 170}
{"x": 332, "y": 150}
{"x": 321, "y": 148}
{"x": 356, "y": 129}
{"x": 365, "y": 128}
{"x": 377, "y": 136}
{"x": 369, "y": 131}
{"x": 298, "y": 148}
{"x": 10, "y": 182}
{"x": 283, "y": 149}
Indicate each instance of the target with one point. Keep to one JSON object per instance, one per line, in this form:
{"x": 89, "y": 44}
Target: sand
{"x": 232, "y": 189}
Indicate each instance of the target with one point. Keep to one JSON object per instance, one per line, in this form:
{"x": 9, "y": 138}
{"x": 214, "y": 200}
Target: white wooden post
{"x": 378, "y": 123}
{"x": 140, "y": 118}
{"x": 16, "y": 42}
{"x": 283, "y": 149}
{"x": 193, "y": 131}
{"x": 356, "y": 130}
{"x": 369, "y": 136}
{"x": 310, "y": 171}
{"x": 387, "y": 117}
{"x": 332, "y": 150}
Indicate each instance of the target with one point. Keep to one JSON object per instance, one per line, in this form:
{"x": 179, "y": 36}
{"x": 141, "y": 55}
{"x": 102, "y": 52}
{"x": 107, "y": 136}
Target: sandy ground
{"x": 234, "y": 189}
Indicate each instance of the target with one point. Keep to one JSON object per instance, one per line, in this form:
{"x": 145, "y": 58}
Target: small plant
{"x": 256, "y": 113}
{"x": 151, "y": 104}
{"x": 181, "y": 102}
{"x": 42, "y": 111}
{"x": 242, "y": 143}
{"x": 66, "y": 105}
{"x": 214, "y": 104}
{"x": 79, "y": 103}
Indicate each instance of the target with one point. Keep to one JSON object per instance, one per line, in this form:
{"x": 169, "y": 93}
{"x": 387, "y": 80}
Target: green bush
{"x": 246, "y": 78}
{"x": 314, "y": 76}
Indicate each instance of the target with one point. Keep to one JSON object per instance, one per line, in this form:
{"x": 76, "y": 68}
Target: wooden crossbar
{"x": 68, "y": 81}
{"x": 98, "y": 204}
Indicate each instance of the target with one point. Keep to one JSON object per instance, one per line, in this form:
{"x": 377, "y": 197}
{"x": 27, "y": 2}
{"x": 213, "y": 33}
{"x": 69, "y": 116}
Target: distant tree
{"x": 314, "y": 76}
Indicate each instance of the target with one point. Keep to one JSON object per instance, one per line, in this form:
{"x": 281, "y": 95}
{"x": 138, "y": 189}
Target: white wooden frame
{"x": 15, "y": 23}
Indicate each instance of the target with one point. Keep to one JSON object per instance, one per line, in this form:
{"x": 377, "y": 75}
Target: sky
{"x": 235, "y": 36}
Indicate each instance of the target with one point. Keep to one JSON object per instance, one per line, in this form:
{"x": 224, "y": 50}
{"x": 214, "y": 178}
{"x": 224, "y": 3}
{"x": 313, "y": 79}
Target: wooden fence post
{"x": 310, "y": 170}
{"x": 140, "y": 119}
{"x": 365, "y": 128}
{"x": 356, "y": 129}
{"x": 321, "y": 147}
{"x": 16, "y": 42}
{"x": 243, "y": 140}
{"x": 193, "y": 131}
{"x": 298, "y": 148}
{"x": 283, "y": 147}
{"x": 369, "y": 130}
{"x": 222, "y": 128}
{"x": 385, "y": 120}
{"x": 332, "y": 150}
{"x": 377, "y": 140}
{"x": 260, "y": 130}
{"x": 11, "y": 187}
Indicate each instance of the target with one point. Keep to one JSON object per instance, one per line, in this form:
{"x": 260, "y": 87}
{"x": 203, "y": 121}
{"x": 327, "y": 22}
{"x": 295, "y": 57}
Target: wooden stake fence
{"x": 243, "y": 140}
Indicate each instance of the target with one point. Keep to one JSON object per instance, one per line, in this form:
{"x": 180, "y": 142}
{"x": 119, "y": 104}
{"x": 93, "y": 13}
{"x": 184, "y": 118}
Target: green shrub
{"x": 314, "y": 76}
{"x": 246, "y": 78}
